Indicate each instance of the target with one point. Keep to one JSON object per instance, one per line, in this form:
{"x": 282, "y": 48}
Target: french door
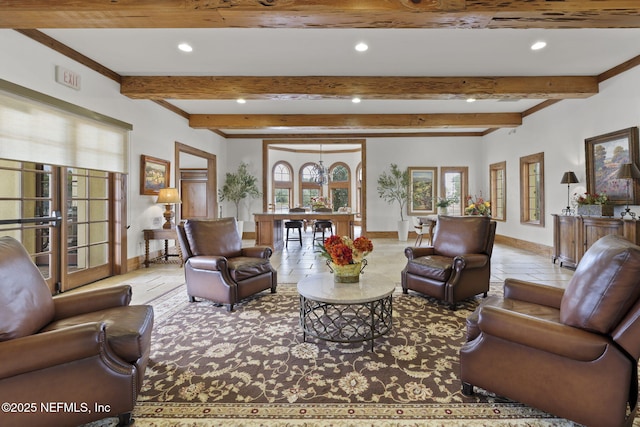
{"x": 62, "y": 216}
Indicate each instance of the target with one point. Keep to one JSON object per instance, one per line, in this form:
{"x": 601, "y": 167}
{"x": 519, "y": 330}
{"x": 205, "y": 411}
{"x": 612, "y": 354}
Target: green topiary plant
{"x": 238, "y": 186}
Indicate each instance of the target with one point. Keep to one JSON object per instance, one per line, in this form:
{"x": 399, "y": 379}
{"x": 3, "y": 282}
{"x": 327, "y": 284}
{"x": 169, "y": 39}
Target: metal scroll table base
{"x": 346, "y": 323}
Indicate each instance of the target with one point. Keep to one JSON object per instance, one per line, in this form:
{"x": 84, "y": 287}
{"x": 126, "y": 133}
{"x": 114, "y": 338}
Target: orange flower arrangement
{"x": 343, "y": 250}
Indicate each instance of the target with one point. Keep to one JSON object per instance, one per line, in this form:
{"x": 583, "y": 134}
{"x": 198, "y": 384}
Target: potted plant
{"x": 238, "y": 186}
{"x": 443, "y": 204}
{"x": 596, "y": 204}
{"x": 393, "y": 186}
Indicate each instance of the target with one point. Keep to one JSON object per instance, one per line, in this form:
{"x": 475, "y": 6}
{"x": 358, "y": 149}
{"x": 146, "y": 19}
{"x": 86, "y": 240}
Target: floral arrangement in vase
{"x": 591, "y": 199}
{"x": 477, "y": 206}
{"x": 346, "y": 257}
{"x": 320, "y": 202}
{"x": 593, "y": 204}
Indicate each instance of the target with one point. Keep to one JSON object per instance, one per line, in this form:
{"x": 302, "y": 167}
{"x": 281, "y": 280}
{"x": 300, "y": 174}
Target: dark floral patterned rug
{"x": 251, "y": 367}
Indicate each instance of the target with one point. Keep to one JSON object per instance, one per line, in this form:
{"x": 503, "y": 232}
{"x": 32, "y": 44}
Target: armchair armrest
{"x": 257, "y": 252}
{"x": 551, "y": 296}
{"x": 541, "y": 334}
{"x": 413, "y": 252}
{"x": 470, "y": 261}
{"x": 22, "y": 355}
{"x": 72, "y": 304}
{"x": 209, "y": 262}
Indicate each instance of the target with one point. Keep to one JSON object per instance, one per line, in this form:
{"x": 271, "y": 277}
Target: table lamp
{"x": 168, "y": 196}
{"x": 628, "y": 172}
{"x": 568, "y": 178}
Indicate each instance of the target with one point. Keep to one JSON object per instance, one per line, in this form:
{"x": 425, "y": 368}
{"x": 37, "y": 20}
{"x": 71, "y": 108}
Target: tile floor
{"x": 387, "y": 259}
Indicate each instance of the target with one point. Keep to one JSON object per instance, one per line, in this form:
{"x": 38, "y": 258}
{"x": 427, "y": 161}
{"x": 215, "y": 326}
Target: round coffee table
{"x": 345, "y": 312}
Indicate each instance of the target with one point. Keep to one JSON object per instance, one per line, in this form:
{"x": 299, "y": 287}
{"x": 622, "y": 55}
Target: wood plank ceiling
{"x": 470, "y": 14}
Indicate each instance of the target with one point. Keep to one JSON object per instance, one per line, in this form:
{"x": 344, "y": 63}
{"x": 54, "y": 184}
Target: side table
{"x": 165, "y": 234}
{"x": 431, "y": 220}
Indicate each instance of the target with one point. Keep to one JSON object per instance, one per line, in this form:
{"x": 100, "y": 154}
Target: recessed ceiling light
{"x": 356, "y": 100}
{"x": 538, "y": 45}
{"x": 471, "y": 100}
{"x": 361, "y": 47}
{"x": 185, "y": 47}
{"x": 241, "y": 101}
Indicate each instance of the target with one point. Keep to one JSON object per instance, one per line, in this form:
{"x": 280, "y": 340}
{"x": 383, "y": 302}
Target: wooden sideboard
{"x": 573, "y": 235}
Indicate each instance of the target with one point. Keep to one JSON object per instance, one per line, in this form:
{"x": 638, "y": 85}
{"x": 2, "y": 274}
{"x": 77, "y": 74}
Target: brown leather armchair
{"x": 458, "y": 264}
{"x": 217, "y": 267}
{"x": 87, "y": 350}
{"x": 573, "y": 353}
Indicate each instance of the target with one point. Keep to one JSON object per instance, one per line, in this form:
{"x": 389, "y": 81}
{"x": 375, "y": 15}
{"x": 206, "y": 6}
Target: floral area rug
{"x": 251, "y": 367}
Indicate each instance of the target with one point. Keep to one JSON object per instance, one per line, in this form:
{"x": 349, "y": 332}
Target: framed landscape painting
{"x": 154, "y": 175}
{"x": 604, "y": 156}
{"x": 422, "y": 190}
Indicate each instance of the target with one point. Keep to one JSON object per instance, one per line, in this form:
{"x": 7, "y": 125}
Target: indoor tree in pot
{"x": 238, "y": 186}
{"x": 393, "y": 186}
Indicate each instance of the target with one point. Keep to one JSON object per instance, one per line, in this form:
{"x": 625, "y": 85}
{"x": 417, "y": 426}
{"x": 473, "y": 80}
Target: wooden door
{"x": 193, "y": 193}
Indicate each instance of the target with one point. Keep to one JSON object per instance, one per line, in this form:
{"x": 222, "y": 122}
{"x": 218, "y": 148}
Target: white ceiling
{"x": 330, "y": 52}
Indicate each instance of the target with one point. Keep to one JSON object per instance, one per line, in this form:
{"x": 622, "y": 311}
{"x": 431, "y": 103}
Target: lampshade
{"x": 569, "y": 178}
{"x": 168, "y": 195}
{"x": 628, "y": 171}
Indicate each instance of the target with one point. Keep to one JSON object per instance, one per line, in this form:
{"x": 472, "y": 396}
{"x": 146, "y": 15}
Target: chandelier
{"x": 321, "y": 172}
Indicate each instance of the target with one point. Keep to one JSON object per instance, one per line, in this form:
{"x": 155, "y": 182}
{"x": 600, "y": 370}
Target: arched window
{"x": 339, "y": 185}
{"x": 282, "y": 186}
{"x": 308, "y": 186}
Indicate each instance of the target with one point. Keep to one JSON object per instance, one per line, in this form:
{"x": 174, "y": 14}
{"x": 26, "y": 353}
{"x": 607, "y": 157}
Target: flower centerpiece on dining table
{"x": 477, "y": 206}
{"x": 319, "y": 202}
{"x": 346, "y": 257}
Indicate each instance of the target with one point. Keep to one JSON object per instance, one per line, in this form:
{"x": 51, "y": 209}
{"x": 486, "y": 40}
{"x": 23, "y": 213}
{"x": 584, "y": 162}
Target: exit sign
{"x": 67, "y": 77}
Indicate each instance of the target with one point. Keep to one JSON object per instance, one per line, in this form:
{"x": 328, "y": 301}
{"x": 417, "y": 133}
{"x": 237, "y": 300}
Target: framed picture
{"x": 154, "y": 175}
{"x": 604, "y": 156}
{"x": 423, "y": 185}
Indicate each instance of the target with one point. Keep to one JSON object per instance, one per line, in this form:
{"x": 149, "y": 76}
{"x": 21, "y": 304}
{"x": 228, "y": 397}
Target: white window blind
{"x": 37, "y": 128}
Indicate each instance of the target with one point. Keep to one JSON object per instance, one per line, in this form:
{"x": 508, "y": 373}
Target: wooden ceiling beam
{"x": 346, "y": 87}
{"x": 320, "y": 14}
{"x": 361, "y": 134}
{"x": 353, "y": 121}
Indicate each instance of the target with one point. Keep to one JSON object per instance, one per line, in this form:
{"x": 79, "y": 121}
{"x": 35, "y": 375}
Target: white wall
{"x": 425, "y": 152}
{"x": 559, "y": 131}
{"x": 155, "y": 129}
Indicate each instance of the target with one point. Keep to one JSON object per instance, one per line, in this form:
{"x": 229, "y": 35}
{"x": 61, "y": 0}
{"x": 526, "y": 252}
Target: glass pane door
{"x": 86, "y": 234}
{"x": 68, "y": 256}
{"x": 28, "y": 193}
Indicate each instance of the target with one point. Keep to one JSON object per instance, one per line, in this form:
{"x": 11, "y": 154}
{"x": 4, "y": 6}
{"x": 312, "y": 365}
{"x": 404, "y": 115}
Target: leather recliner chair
{"x": 85, "y": 350}
{"x": 457, "y": 265}
{"x": 217, "y": 267}
{"x": 573, "y": 353}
